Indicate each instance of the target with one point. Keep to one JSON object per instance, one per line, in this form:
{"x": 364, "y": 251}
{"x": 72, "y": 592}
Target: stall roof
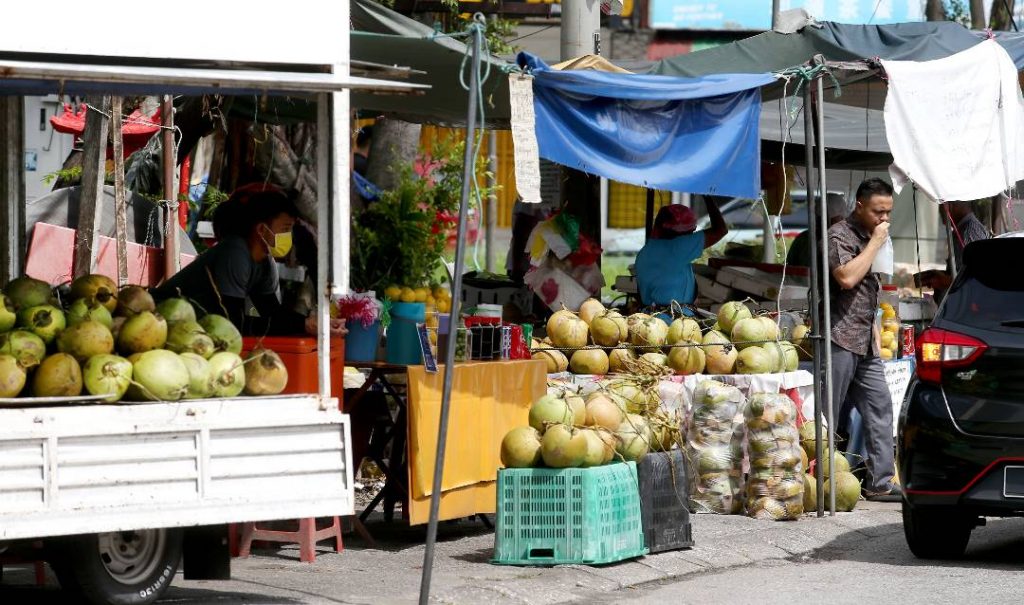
{"x": 773, "y": 51}
{"x": 382, "y": 36}
{"x": 41, "y": 77}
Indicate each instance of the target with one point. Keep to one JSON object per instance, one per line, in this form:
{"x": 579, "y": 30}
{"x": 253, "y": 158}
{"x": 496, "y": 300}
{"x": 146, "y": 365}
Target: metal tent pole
{"x": 826, "y": 315}
{"x": 949, "y": 241}
{"x": 816, "y": 279}
{"x": 449, "y": 362}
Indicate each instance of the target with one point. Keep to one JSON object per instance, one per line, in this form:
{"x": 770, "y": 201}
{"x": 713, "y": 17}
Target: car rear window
{"x": 988, "y": 295}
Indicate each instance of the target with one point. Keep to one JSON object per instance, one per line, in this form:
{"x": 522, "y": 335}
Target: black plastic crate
{"x": 664, "y": 501}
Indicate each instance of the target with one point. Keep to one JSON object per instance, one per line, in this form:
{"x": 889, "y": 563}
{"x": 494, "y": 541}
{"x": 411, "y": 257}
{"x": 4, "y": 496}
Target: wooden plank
{"x": 94, "y": 155}
{"x": 120, "y": 207}
{"x": 172, "y": 263}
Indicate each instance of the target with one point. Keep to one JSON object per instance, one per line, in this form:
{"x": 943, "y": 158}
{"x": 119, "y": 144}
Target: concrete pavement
{"x": 463, "y": 574}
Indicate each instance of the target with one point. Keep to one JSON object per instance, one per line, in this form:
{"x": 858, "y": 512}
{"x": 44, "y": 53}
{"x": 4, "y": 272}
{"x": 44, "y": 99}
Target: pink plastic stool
{"x": 306, "y": 537}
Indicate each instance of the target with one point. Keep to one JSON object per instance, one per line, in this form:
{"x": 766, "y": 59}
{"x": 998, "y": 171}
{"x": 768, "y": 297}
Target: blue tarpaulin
{"x": 694, "y": 135}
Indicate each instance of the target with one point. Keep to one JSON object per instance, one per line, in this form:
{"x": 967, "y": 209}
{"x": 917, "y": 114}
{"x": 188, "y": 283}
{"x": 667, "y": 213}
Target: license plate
{"x": 1013, "y": 482}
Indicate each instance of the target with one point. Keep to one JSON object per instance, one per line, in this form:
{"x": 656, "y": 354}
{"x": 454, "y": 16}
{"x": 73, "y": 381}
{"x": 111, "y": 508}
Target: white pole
{"x": 581, "y": 19}
{"x": 323, "y": 229}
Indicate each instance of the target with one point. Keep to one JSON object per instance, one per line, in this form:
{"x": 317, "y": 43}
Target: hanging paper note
{"x": 524, "y": 138}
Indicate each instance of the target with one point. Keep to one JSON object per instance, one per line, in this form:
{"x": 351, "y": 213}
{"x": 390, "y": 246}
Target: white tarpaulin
{"x": 956, "y": 125}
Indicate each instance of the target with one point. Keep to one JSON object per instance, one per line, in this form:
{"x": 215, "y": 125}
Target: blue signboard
{"x": 757, "y": 14}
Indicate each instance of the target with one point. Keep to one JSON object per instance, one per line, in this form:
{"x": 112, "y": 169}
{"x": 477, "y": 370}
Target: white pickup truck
{"x": 86, "y": 478}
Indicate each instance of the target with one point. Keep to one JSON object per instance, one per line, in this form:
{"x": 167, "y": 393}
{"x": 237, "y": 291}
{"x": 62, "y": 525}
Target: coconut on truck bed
{"x": 136, "y": 354}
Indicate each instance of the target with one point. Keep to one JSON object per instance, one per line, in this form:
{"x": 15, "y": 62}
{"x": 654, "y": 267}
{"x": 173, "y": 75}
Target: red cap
{"x": 674, "y": 219}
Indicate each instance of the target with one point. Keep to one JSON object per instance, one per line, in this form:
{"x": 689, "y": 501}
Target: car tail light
{"x": 939, "y": 350}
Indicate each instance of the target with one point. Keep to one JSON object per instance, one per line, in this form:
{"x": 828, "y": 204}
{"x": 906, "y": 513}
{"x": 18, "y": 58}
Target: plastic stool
{"x": 306, "y": 537}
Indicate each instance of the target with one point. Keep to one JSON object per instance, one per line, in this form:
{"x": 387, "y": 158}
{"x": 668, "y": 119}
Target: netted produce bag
{"x": 714, "y": 448}
{"x": 775, "y": 483}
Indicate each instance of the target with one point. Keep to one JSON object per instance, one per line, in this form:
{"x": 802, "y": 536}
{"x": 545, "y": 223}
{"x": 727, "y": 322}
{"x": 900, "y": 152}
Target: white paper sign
{"x": 524, "y": 137}
{"x": 897, "y": 375}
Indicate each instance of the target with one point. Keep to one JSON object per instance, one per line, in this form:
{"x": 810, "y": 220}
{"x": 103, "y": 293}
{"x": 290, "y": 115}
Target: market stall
{"x": 101, "y": 443}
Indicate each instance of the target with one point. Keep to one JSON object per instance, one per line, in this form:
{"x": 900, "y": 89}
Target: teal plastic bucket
{"x": 361, "y": 342}
{"x": 403, "y": 345}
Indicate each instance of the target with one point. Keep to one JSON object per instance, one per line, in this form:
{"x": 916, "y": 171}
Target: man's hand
{"x": 881, "y": 232}
{"x": 337, "y": 327}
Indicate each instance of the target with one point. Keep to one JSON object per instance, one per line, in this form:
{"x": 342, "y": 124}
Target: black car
{"x": 961, "y": 429}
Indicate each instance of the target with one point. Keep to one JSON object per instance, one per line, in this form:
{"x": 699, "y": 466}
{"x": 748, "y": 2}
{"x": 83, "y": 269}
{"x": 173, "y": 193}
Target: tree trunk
{"x": 978, "y": 14}
{"x": 935, "y": 10}
{"x": 1001, "y": 17}
{"x": 394, "y": 143}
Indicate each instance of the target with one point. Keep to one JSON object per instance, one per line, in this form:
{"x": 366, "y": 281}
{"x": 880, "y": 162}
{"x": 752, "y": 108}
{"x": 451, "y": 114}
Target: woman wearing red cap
{"x": 664, "y": 271}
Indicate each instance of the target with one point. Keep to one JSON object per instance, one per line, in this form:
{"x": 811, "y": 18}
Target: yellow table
{"x": 488, "y": 399}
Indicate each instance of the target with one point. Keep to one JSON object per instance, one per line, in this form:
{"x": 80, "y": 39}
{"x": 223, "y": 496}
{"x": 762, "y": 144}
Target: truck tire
{"x": 118, "y": 568}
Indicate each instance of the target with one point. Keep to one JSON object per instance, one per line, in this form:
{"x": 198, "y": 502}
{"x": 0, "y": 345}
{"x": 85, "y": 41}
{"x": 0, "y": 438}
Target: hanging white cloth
{"x": 956, "y": 125}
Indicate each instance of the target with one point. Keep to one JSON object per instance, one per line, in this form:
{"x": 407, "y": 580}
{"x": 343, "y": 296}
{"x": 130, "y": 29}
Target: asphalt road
{"x": 859, "y": 569}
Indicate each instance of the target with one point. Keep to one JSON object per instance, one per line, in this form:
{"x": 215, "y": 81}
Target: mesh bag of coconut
{"x": 775, "y": 483}
{"x": 714, "y": 448}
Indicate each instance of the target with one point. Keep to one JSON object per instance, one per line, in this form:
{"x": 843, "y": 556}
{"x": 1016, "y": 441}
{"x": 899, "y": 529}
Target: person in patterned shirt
{"x": 968, "y": 229}
{"x": 858, "y": 377}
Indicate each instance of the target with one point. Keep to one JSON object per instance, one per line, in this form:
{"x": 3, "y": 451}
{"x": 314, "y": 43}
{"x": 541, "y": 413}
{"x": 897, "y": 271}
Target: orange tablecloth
{"x": 488, "y": 399}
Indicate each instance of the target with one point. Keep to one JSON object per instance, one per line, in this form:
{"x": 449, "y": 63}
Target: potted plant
{"x": 362, "y": 313}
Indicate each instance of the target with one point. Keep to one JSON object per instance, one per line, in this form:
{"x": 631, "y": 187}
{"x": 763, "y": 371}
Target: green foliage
{"x": 212, "y": 198}
{"x": 73, "y": 174}
{"x": 399, "y": 239}
{"x": 393, "y": 238}
{"x": 958, "y": 11}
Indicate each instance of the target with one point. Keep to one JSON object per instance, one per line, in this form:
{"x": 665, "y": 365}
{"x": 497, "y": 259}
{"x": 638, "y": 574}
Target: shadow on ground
{"x": 998, "y": 545}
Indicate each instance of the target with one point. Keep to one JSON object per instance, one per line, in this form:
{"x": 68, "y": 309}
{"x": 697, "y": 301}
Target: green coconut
{"x": 847, "y": 491}
{"x": 754, "y": 360}
{"x": 26, "y": 292}
{"x": 108, "y": 375}
{"x": 225, "y": 335}
{"x": 24, "y": 346}
{"x": 12, "y": 377}
{"x": 142, "y": 332}
{"x": 132, "y": 300}
{"x": 730, "y": 313}
{"x": 520, "y": 448}
{"x": 8, "y": 314}
{"x": 45, "y": 321}
{"x": 59, "y": 375}
{"x": 189, "y": 336}
{"x": 95, "y": 288}
{"x": 86, "y": 339}
{"x": 83, "y": 310}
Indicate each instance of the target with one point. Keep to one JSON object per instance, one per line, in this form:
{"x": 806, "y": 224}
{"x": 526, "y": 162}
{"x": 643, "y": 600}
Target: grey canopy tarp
{"x": 384, "y": 37}
{"x": 855, "y": 130}
{"x": 144, "y": 221}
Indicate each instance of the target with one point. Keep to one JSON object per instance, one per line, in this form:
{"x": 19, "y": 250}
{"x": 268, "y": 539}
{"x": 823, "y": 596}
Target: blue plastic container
{"x": 361, "y": 343}
{"x": 403, "y": 346}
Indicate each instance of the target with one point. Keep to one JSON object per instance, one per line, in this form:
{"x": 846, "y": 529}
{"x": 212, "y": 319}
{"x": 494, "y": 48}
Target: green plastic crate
{"x": 563, "y": 516}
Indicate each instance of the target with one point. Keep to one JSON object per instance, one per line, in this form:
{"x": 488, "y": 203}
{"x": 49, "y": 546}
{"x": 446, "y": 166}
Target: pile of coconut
{"x": 618, "y": 421}
{"x": 597, "y": 340}
{"x": 121, "y": 345}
